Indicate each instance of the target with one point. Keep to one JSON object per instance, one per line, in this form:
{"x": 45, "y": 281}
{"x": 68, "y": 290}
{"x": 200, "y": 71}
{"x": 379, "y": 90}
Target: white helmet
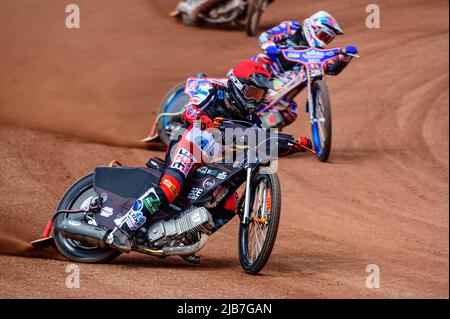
{"x": 320, "y": 29}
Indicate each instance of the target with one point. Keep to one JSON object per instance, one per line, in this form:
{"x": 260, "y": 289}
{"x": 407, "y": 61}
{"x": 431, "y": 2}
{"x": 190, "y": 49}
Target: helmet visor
{"x": 251, "y": 92}
{"x": 325, "y": 35}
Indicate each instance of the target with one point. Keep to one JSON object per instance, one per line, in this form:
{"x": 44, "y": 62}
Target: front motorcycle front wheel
{"x": 77, "y": 197}
{"x": 256, "y": 240}
{"x": 321, "y": 126}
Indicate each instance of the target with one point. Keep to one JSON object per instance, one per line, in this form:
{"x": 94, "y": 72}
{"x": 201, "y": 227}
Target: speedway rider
{"x": 317, "y": 31}
{"x": 195, "y": 8}
{"x": 237, "y": 99}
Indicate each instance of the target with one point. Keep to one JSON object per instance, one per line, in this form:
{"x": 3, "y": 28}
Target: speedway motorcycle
{"x": 308, "y": 73}
{"x": 89, "y": 209}
{"x": 245, "y": 13}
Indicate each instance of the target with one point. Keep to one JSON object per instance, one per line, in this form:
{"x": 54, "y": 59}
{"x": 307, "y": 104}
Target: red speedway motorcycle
{"x": 88, "y": 211}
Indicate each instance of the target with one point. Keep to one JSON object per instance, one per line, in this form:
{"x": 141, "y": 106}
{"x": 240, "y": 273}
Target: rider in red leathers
{"x": 237, "y": 99}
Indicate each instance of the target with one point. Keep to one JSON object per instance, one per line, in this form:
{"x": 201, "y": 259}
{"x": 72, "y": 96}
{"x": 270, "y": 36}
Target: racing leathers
{"x": 289, "y": 34}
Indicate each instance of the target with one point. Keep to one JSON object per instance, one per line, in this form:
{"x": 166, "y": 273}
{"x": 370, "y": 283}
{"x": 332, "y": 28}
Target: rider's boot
{"x": 305, "y": 144}
{"x": 204, "y": 7}
{"x": 120, "y": 238}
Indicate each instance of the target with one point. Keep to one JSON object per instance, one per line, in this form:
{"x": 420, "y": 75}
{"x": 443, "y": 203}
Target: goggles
{"x": 251, "y": 92}
{"x": 325, "y": 35}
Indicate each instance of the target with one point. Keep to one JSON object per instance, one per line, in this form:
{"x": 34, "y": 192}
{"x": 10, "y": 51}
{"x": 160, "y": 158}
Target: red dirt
{"x": 74, "y": 99}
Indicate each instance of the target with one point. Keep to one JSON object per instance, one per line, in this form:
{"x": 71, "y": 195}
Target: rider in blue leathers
{"x": 316, "y": 32}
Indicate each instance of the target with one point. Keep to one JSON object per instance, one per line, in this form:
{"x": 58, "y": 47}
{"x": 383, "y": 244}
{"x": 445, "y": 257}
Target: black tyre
{"x": 322, "y": 127}
{"x": 254, "y": 249}
{"x": 76, "y": 197}
{"x": 254, "y": 13}
{"x": 172, "y": 103}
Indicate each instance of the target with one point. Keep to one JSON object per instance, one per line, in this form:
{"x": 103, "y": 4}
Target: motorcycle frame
{"x": 309, "y": 68}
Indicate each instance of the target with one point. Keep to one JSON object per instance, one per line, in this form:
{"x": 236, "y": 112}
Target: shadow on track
{"x": 173, "y": 262}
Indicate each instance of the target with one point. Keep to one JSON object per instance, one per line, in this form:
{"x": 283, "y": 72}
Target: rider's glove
{"x": 205, "y": 121}
{"x": 351, "y": 49}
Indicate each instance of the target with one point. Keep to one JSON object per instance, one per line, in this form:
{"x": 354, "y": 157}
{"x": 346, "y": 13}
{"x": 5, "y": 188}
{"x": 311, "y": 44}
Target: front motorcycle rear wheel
{"x": 77, "y": 197}
{"x": 173, "y": 103}
{"x": 256, "y": 240}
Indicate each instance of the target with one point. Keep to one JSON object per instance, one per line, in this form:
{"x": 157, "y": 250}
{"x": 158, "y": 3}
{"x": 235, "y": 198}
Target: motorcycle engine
{"x": 186, "y": 225}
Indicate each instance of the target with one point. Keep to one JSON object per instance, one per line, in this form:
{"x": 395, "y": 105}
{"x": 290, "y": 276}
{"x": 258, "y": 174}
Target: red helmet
{"x": 248, "y": 86}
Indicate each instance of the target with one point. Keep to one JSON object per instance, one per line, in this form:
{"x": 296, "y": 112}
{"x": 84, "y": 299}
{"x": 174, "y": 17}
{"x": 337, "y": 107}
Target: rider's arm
{"x": 272, "y": 38}
{"x": 198, "y": 103}
{"x": 336, "y": 66}
{"x": 279, "y": 33}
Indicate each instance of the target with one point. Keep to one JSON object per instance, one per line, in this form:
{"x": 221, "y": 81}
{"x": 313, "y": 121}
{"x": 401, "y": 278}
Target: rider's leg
{"x": 289, "y": 114}
{"x": 148, "y": 204}
{"x": 281, "y": 115}
{"x": 184, "y": 155}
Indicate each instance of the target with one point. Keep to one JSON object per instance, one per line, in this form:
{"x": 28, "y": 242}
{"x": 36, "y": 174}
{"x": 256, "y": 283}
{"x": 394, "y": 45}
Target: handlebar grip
{"x": 347, "y": 54}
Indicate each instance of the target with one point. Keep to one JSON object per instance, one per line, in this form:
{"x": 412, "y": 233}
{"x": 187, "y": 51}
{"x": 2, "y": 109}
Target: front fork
{"x": 261, "y": 214}
{"x": 310, "y": 102}
{"x": 248, "y": 187}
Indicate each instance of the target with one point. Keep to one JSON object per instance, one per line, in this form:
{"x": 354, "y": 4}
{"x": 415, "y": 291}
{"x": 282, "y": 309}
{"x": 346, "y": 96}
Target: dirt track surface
{"x": 74, "y": 99}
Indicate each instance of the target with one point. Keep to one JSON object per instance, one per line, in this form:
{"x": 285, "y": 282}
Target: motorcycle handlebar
{"x": 219, "y": 122}
{"x": 347, "y": 54}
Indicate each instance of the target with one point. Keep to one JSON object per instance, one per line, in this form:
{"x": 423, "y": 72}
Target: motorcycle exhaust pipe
{"x": 76, "y": 230}
{"x": 186, "y": 250}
